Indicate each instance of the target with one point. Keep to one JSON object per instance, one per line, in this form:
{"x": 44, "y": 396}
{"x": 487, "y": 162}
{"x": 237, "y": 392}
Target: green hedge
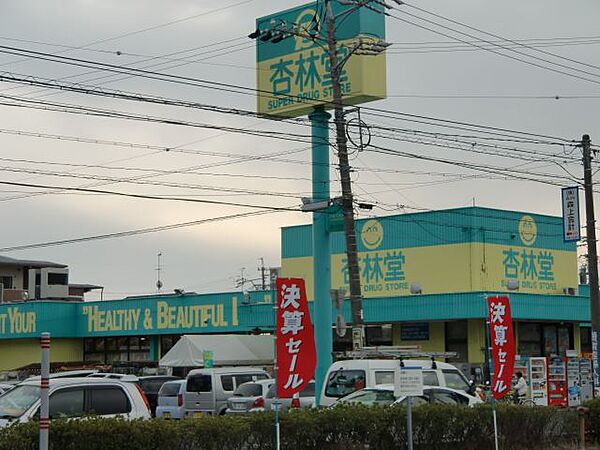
{"x": 593, "y": 420}
{"x": 348, "y": 428}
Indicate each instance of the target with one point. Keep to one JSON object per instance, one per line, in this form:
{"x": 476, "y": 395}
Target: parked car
{"x": 151, "y": 385}
{"x": 345, "y": 377}
{"x": 67, "y": 374}
{"x": 5, "y": 387}
{"x": 74, "y": 397}
{"x": 115, "y": 376}
{"x": 249, "y": 397}
{"x": 207, "y": 390}
{"x": 170, "y": 400}
{"x": 383, "y": 395}
{"x": 305, "y": 399}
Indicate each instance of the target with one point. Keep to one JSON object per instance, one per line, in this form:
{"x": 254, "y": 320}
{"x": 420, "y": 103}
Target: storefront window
{"x": 537, "y": 339}
{"x": 456, "y": 340}
{"x": 550, "y": 340}
{"x": 564, "y": 340}
{"x": 378, "y": 335}
{"x": 167, "y": 343}
{"x": 530, "y": 339}
{"x": 114, "y": 350}
{"x": 586, "y": 339}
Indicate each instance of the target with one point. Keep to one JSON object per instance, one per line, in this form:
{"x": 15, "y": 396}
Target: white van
{"x": 345, "y": 377}
{"x": 207, "y": 390}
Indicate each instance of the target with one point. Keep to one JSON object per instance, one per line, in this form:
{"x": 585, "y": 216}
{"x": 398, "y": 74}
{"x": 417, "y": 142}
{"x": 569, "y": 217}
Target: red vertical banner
{"x": 503, "y": 344}
{"x": 295, "y": 338}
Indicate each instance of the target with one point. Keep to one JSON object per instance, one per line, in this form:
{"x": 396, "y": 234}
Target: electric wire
{"x": 500, "y": 53}
{"x": 136, "y": 232}
{"x": 146, "y": 196}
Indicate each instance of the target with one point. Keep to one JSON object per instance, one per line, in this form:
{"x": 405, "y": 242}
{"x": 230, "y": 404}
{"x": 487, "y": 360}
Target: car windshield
{"x": 308, "y": 391}
{"x": 370, "y": 397}
{"x": 248, "y": 390}
{"x": 456, "y": 380}
{"x": 343, "y": 382}
{"x": 15, "y": 402}
{"x": 169, "y": 390}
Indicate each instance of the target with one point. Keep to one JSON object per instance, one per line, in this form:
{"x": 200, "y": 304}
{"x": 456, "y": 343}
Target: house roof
{"x": 6, "y": 261}
{"x": 85, "y": 287}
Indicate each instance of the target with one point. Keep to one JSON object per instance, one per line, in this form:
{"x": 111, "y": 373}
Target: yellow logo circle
{"x": 527, "y": 230}
{"x": 307, "y": 21}
{"x": 372, "y": 234}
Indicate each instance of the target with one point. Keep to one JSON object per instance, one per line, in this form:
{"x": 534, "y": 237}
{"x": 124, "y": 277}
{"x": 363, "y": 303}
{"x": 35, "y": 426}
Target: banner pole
{"x": 275, "y": 373}
{"x": 488, "y": 345}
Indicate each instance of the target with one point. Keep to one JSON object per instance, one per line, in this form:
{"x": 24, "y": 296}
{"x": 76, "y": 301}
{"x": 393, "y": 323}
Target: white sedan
{"x": 5, "y": 387}
{"x": 383, "y": 395}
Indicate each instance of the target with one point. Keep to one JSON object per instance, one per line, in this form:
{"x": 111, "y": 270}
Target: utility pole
{"x": 262, "y": 270}
{"x": 592, "y": 246}
{"x": 347, "y": 198}
{"x": 159, "y": 283}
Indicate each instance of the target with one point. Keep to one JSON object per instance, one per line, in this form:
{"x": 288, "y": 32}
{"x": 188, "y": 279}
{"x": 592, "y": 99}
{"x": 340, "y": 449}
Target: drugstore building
{"x": 425, "y": 277}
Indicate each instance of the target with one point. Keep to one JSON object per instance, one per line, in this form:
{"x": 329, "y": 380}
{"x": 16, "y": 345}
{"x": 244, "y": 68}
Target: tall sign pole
{"x": 321, "y": 246}
{"x": 592, "y": 252}
{"x": 300, "y": 68}
{"x": 347, "y": 198}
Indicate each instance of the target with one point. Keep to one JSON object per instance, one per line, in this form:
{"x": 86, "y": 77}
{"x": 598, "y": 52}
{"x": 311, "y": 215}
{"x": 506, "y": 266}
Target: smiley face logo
{"x": 307, "y": 21}
{"x": 372, "y": 234}
{"x": 527, "y": 230}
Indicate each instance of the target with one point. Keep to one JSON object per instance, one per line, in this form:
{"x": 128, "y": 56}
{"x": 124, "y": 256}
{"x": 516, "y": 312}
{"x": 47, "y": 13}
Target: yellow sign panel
{"x": 294, "y": 84}
{"x": 465, "y": 267}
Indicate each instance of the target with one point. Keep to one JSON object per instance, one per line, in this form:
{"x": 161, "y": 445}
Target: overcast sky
{"x": 191, "y": 39}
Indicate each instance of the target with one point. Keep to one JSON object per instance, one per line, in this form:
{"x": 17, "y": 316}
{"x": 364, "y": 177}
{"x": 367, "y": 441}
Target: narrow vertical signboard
{"x": 502, "y": 344}
{"x": 570, "y": 214}
{"x": 296, "y": 354}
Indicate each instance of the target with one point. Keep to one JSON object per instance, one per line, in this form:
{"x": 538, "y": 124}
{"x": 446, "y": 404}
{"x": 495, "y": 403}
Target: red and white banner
{"x": 503, "y": 345}
{"x": 295, "y": 338}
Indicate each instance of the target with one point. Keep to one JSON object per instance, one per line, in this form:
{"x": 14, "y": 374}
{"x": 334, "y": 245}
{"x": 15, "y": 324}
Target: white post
{"x": 45, "y": 387}
{"x": 495, "y": 424}
{"x": 409, "y": 428}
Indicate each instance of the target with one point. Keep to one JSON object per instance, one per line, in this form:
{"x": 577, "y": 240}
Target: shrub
{"x": 344, "y": 428}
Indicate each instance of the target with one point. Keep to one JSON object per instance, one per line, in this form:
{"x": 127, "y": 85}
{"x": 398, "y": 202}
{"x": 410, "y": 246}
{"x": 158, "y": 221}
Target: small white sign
{"x": 570, "y": 209}
{"x": 408, "y": 381}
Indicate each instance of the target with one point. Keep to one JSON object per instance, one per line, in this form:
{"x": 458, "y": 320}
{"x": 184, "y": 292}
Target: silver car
{"x": 383, "y": 395}
{"x": 249, "y": 397}
{"x": 305, "y": 399}
{"x": 170, "y": 400}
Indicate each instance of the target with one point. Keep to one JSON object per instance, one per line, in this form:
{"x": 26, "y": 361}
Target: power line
{"x": 495, "y": 97}
{"x": 134, "y": 232}
{"x": 116, "y": 180}
{"x": 503, "y": 39}
{"x": 238, "y": 89}
{"x": 100, "y": 112}
{"x": 146, "y": 197}
{"x": 535, "y": 64}
{"x": 155, "y": 171}
{"x": 155, "y": 27}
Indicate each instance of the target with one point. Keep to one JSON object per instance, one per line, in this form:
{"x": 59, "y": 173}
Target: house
{"x": 23, "y": 280}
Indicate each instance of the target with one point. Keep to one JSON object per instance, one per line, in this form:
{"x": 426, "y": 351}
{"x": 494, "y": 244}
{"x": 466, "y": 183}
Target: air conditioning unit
{"x": 569, "y": 291}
